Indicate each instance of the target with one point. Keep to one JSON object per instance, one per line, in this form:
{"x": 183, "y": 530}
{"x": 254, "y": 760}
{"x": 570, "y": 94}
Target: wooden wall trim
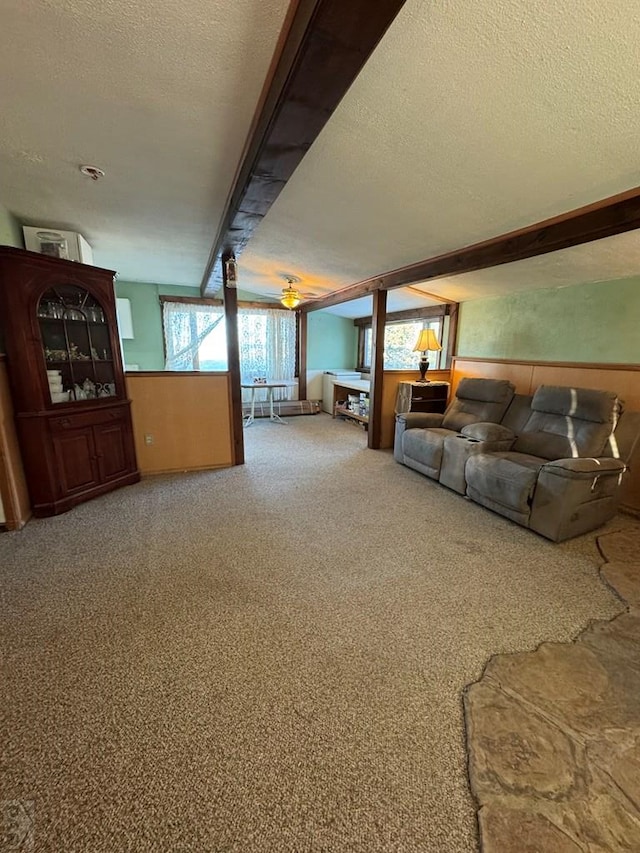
{"x": 131, "y": 374}
{"x": 587, "y": 365}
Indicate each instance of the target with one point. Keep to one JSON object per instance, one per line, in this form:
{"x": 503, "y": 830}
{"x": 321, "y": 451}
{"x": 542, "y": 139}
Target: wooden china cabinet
{"x": 60, "y": 333}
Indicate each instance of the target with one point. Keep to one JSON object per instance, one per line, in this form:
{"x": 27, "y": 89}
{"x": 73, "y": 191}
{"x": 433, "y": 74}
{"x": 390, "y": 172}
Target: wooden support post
{"x": 374, "y": 435}
{"x": 230, "y": 295}
{"x": 301, "y": 354}
{"x": 452, "y": 340}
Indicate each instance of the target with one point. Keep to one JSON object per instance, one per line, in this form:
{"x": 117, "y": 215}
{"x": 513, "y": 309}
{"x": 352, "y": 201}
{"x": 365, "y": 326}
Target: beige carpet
{"x": 267, "y": 658}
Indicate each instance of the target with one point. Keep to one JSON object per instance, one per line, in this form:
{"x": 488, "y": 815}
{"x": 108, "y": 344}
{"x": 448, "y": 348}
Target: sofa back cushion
{"x": 568, "y": 422}
{"x": 478, "y": 400}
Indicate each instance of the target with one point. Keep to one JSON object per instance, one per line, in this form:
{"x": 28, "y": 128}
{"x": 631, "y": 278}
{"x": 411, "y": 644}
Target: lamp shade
{"x": 427, "y": 341}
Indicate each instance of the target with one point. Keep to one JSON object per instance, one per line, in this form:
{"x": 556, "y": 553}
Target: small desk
{"x": 258, "y": 386}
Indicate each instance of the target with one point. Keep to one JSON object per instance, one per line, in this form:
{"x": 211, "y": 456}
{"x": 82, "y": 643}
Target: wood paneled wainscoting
{"x": 624, "y": 379}
{"x": 181, "y": 421}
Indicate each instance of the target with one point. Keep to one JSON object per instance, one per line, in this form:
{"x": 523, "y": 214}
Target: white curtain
{"x": 267, "y": 339}
{"x": 186, "y": 325}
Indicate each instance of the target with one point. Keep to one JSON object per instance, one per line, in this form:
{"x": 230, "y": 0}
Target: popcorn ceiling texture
{"x": 269, "y": 657}
{"x": 160, "y": 95}
{"x": 469, "y": 120}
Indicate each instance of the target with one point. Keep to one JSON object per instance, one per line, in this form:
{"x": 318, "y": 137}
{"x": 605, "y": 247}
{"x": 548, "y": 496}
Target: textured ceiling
{"x": 469, "y": 120}
{"x": 603, "y": 260}
{"x": 160, "y": 95}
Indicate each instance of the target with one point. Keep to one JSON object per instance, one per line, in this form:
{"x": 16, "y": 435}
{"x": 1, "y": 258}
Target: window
{"x": 195, "y": 339}
{"x": 400, "y": 337}
{"x": 194, "y": 336}
{"x": 267, "y": 340}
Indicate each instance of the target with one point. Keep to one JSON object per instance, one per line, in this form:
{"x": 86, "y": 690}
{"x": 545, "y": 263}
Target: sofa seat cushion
{"x": 506, "y": 478}
{"x": 425, "y": 446}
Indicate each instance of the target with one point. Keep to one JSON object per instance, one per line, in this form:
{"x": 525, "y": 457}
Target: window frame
{"x": 217, "y": 303}
{"x": 412, "y": 315}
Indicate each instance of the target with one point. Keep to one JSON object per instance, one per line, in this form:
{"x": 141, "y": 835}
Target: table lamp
{"x": 427, "y": 342}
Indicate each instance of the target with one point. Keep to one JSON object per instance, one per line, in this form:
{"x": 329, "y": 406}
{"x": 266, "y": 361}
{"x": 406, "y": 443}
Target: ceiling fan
{"x": 291, "y": 296}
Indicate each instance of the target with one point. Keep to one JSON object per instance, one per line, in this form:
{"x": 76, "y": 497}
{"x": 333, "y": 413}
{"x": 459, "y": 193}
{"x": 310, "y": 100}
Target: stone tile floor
{"x": 554, "y": 734}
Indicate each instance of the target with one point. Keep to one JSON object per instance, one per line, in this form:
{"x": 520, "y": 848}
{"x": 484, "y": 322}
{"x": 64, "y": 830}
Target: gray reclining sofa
{"x": 553, "y": 462}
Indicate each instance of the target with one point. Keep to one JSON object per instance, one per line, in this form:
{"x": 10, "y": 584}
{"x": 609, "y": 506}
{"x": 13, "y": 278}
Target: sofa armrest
{"x": 420, "y": 420}
{"x": 578, "y": 468}
{"x": 488, "y": 432}
{"x": 573, "y": 496}
{"x": 412, "y": 420}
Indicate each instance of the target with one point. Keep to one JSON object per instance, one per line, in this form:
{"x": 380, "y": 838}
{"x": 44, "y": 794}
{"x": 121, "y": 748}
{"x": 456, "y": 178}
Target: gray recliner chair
{"x": 421, "y": 439}
{"x": 562, "y": 475}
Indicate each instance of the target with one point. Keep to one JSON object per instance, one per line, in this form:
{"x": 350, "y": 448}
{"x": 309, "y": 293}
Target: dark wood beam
{"x": 233, "y": 362}
{"x": 410, "y": 314}
{"x": 605, "y": 218}
{"x": 191, "y": 300}
{"x": 374, "y": 435}
{"x": 201, "y": 300}
{"x": 327, "y": 44}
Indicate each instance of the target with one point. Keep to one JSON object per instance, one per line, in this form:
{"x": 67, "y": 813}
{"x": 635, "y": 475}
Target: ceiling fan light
{"x": 290, "y": 298}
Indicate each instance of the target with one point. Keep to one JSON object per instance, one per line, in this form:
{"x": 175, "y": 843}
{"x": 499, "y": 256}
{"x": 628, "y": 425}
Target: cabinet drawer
{"x": 80, "y": 420}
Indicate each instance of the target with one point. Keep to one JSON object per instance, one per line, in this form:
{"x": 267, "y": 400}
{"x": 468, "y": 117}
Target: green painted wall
{"x": 598, "y": 322}
{"x": 10, "y": 229}
{"x": 147, "y": 347}
{"x": 331, "y": 341}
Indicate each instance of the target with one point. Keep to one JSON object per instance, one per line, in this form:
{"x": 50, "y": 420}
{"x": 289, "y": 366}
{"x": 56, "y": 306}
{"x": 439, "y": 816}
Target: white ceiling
{"x": 469, "y": 120}
{"x": 602, "y": 260}
{"x": 158, "y": 94}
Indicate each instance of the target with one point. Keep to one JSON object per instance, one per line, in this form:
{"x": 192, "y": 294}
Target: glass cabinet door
{"x": 76, "y": 345}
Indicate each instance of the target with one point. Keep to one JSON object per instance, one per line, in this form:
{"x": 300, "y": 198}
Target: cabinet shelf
{"x": 342, "y": 411}
{"x": 72, "y": 450}
{"x": 58, "y": 321}
{"x": 80, "y": 361}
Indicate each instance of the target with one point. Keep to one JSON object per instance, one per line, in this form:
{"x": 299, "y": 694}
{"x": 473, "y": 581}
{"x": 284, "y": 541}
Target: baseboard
{"x": 283, "y": 408}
